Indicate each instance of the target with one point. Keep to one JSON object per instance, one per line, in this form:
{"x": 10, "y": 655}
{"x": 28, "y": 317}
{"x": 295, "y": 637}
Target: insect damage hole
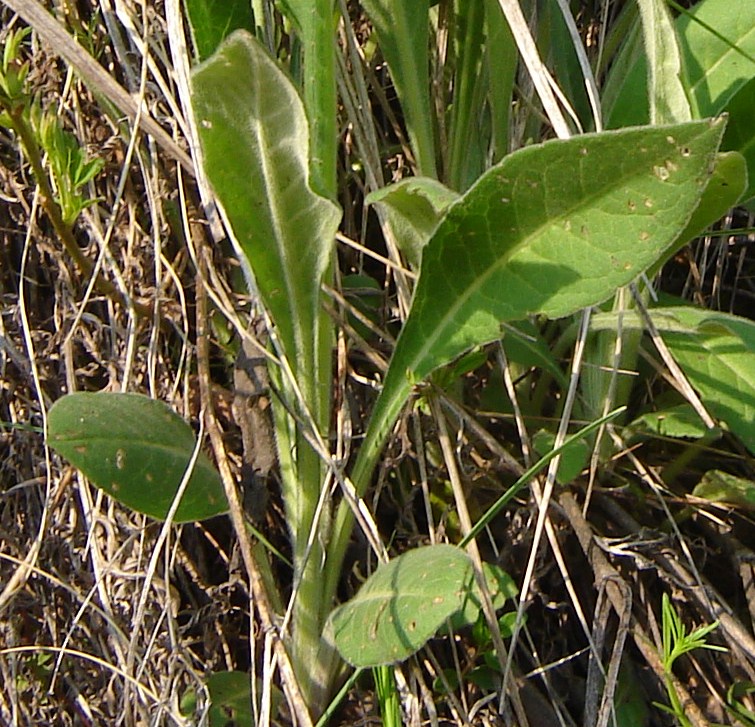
{"x": 661, "y": 172}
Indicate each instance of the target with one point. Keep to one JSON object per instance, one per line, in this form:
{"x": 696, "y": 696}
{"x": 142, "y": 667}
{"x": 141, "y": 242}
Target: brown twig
{"x": 261, "y": 599}
{"x": 52, "y": 209}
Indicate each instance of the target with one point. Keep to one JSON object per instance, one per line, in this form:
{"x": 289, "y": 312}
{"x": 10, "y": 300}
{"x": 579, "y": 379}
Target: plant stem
{"x": 25, "y": 133}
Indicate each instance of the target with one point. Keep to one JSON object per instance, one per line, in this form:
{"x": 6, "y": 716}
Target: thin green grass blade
{"x": 403, "y": 34}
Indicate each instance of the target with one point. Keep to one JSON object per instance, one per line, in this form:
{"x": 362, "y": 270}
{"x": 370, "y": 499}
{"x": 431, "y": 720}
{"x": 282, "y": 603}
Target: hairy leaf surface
{"x": 254, "y": 138}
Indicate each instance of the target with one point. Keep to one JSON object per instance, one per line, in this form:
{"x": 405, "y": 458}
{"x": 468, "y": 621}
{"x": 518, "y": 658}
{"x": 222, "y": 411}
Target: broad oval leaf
{"x": 137, "y": 450}
{"x": 401, "y": 605}
{"x": 553, "y": 228}
{"x": 255, "y": 141}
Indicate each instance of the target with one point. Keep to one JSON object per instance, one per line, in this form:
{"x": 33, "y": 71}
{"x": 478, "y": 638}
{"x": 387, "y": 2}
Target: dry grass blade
{"x": 97, "y": 77}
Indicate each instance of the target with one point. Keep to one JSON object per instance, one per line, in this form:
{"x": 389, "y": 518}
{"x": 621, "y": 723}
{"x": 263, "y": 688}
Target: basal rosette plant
{"x": 549, "y": 230}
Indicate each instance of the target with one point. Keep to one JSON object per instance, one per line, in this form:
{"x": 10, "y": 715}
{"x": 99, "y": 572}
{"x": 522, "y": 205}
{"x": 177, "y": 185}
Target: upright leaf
{"x": 666, "y": 89}
{"x": 254, "y": 137}
{"x": 212, "y": 21}
{"x": 717, "y": 42}
{"x": 403, "y": 33}
{"x": 137, "y": 450}
{"x": 315, "y": 24}
{"x": 555, "y": 227}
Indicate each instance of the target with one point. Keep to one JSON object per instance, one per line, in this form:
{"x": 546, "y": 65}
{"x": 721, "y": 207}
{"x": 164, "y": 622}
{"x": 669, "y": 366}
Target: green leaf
{"x": 501, "y": 58}
{"x": 717, "y": 353}
{"x": 316, "y": 25}
{"x": 401, "y": 605}
{"x": 718, "y": 486}
{"x": 680, "y": 421}
{"x": 554, "y": 228}
{"x": 717, "y": 64}
{"x": 667, "y": 96}
{"x": 501, "y": 587}
{"x": 467, "y": 155}
{"x": 230, "y": 699}
{"x": 725, "y": 188}
{"x": 403, "y": 33}
{"x": 212, "y": 21}
{"x": 254, "y": 137}
{"x": 413, "y": 207}
{"x": 574, "y": 457}
{"x": 524, "y": 344}
{"x": 740, "y": 132}
{"x": 137, "y": 450}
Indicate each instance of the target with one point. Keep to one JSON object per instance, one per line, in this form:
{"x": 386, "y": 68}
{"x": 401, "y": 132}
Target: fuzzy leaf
{"x": 413, "y": 207}
{"x": 668, "y": 100}
{"x": 717, "y": 353}
{"x": 254, "y": 138}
